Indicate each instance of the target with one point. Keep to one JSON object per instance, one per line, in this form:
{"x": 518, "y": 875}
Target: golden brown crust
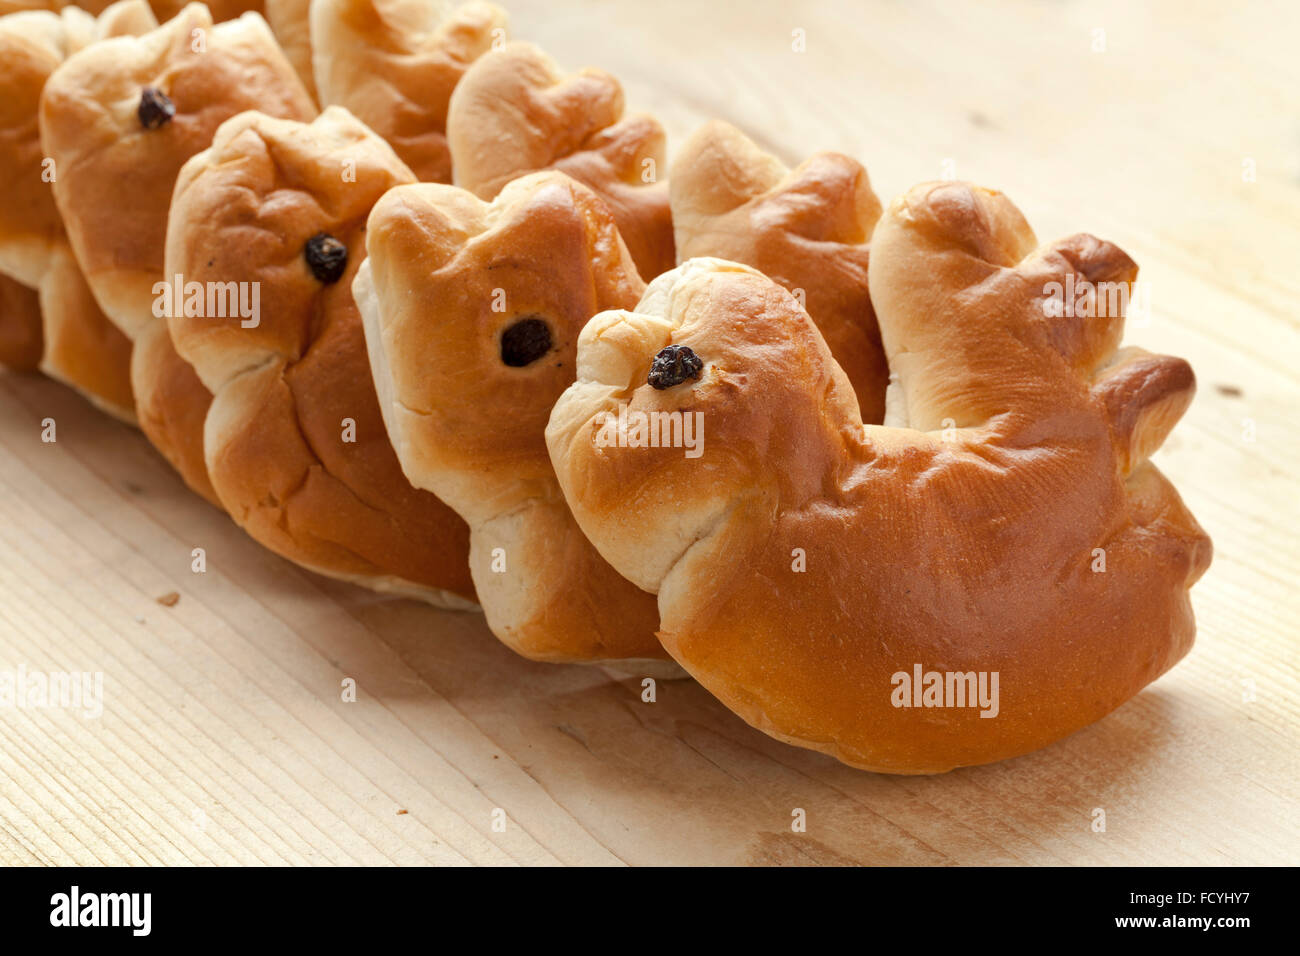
{"x": 115, "y": 180}
{"x": 26, "y": 6}
{"x": 295, "y": 442}
{"x": 515, "y": 113}
{"x": 806, "y": 228}
{"x": 162, "y": 8}
{"x": 1012, "y": 527}
{"x": 114, "y": 176}
{"x": 77, "y": 344}
{"x": 32, "y": 45}
{"x": 221, "y": 10}
{"x": 82, "y": 347}
{"x": 394, "y": 64}
{"x": 448, "y": 275}
{"x": 172, "y": 406}
{"x": 21, "y": 343}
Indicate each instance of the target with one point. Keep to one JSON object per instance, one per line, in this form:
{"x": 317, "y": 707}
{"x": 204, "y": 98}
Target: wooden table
{"x": 224, "y": 738}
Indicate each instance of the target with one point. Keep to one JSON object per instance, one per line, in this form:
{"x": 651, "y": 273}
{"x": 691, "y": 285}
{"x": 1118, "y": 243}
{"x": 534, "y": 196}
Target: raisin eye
{"x": 525, "y": 342}
{"x": 326, "y": 257}
{"x": 673, "y": 365}
{"x": 155, "y": 109}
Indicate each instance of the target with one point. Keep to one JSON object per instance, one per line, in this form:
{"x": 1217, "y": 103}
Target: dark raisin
{"x": 525, "y": 342}
{"x": 326, "y": 257}
{"x": 155, "y": 109}
{"x": 673, "y": 365}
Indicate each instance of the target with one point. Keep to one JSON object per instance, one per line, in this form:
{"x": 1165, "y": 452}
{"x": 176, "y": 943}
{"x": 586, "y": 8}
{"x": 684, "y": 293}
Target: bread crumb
{"x": 169, "y": 599}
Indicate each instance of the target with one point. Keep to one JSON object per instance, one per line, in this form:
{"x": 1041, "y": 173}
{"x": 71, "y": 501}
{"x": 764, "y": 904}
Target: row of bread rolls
{"x": 132, "y": 203}
{"x": 154, "y": 134}
{"x": 416, "y": 408}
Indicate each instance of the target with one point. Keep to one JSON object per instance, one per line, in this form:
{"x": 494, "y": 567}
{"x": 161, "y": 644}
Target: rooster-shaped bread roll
{"x": 394, "y": 64}
{"x": 68, "y": 336}
{"x": 295, "y": 443}
{"x": 472, "y": 314}
{"x": 807, "y": 228}
{"x": 1002, "y": 569}
{"x": 119, "y": 119}
{"x": 514, "y": 112}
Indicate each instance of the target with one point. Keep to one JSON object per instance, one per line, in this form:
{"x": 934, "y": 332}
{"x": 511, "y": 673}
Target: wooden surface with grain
{"x": 1172, "y": 129}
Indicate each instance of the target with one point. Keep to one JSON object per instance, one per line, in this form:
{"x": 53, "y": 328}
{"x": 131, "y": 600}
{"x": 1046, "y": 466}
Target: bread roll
{"x": 808, "y": 567}
{"x": 472, "y": 312}
{"x": 295, "y": 442}
{"x": 394, "y": 64}
{"x": 78, "y": 344}
{"x": 807, "y": 228}
{"x": 515, "y": 113}
{"x": 119, "y": 119}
